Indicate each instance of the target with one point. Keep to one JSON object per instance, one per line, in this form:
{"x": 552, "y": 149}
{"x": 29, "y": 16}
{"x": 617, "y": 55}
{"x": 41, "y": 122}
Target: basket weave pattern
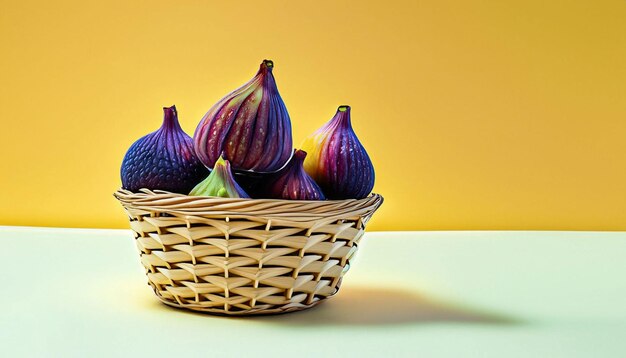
{"x": 245, "y": 256}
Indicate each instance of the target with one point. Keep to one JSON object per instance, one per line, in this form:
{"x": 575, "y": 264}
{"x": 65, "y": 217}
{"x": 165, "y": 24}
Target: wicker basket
{"x": 245, "y": 256}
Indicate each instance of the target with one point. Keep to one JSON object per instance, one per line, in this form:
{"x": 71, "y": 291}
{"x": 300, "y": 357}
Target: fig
{"x": 337, "y": 160}
{"x": 293, "y": 183}
{"x": 219, "y": 183}
{"x": 250, "y": 127}
{"x": 164, "y": 159}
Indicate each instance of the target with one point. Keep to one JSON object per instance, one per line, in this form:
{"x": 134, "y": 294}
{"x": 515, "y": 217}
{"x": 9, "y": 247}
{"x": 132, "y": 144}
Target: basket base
{"x": 253, "y": 312}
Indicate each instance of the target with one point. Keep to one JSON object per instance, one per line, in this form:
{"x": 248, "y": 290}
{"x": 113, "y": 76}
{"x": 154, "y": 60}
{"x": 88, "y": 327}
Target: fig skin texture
{"x": 250, "y": 127}
{"x": 163, "y": 160}
{"x": 337, "y": 160}
{"x": 220, "y": 183}
{"x": 293, "y": 183}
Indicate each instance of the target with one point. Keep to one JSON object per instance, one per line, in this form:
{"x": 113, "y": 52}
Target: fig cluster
{"x": 242, "y": 148}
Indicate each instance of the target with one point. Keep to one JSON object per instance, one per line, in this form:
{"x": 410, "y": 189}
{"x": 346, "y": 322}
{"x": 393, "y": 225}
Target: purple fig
{"x": 164, "y": 159}
{"x": 293, "y": 183}
{"x": 219, "y": 183}
{"x": 337, "y": 160}
{"x": 250, "y": 126}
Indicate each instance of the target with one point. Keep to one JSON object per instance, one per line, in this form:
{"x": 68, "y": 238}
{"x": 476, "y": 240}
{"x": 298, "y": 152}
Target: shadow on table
{"x": 369, "y": 306}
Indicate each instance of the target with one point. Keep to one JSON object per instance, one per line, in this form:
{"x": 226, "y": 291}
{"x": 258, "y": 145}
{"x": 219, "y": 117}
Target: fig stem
{"x": 343, "y": 116}
{"x": 299, "y": 154}
{"x": 170, "y": 118}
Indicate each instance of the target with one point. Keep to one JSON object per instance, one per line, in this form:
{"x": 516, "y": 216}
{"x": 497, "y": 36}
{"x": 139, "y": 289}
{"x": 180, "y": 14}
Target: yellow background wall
{"x": 477, "y": 114}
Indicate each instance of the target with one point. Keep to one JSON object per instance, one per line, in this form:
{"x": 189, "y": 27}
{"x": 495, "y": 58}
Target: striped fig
{"x": 293, "y": 183}
{"x": 219, "y": 183}
{"x": 164, "y": 159}
{"x": 250, "y": 127}
{"x": 337, "y": 160}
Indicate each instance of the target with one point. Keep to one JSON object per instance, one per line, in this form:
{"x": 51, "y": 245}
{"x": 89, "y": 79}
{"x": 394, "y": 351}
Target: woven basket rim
{"x": 268, "y": 209}
{"x": 123, "y": 194}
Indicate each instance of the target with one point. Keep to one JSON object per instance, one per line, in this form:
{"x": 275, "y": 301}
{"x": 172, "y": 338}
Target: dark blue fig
{"x": 293, "y": 183}
{"x": 220, "y": 183}
{"x": 337, "y": 160}
{"x": 164, "y": 159}
{"x": 250, "y": 127}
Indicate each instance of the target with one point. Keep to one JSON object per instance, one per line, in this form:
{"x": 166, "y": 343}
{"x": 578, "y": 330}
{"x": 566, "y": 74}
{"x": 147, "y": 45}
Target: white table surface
{"x": 83, "y": 293}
